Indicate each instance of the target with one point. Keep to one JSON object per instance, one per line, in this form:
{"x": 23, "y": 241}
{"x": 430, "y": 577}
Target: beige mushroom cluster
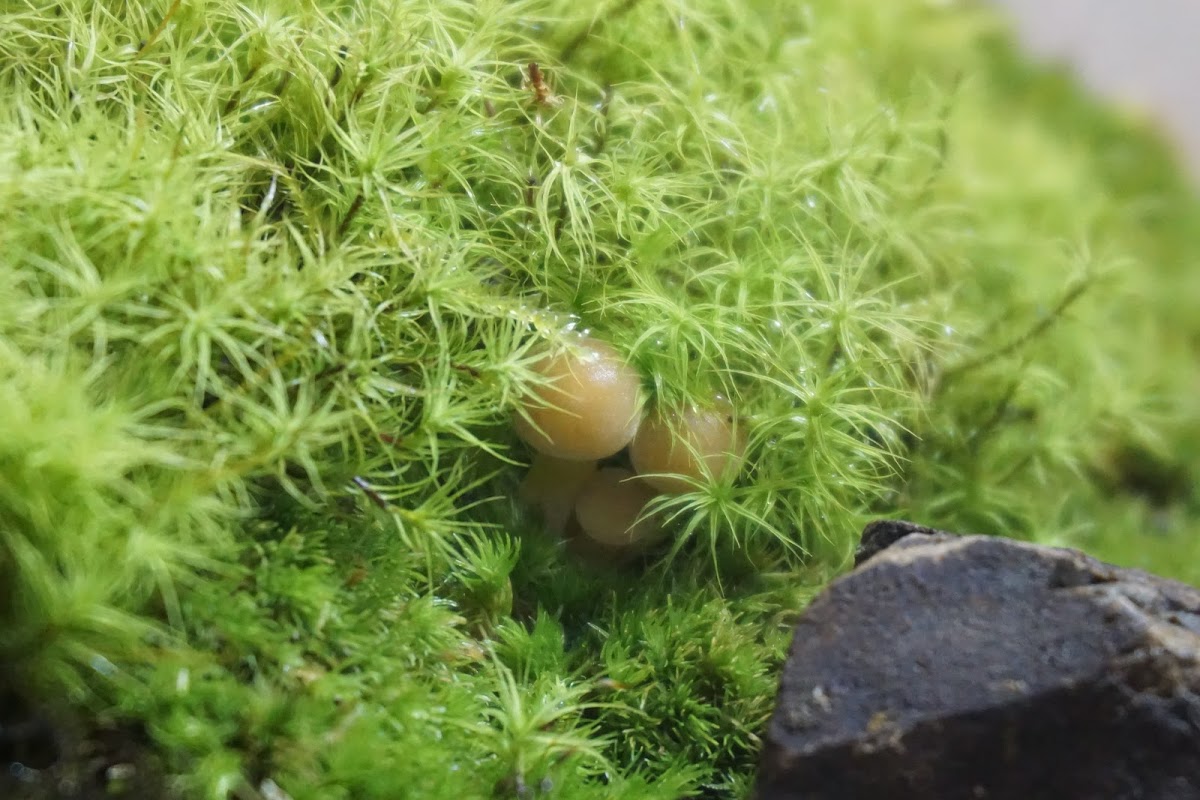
{"x": 590, "y": 408}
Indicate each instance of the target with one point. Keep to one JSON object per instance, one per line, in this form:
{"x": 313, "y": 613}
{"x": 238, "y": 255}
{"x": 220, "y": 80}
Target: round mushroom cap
{"x": 589, "y": 408}
{"x": 698, "y": 445}
{"x": 609, "y": 505}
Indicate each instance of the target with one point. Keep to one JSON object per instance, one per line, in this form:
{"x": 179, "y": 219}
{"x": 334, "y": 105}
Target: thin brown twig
{"x": 1037, "y": 329}
{"x": 162, "y": 26}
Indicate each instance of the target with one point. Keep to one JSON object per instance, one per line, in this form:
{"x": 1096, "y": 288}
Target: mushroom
{"x": 673, "y": 452}
{"x": 551, "y": 486}
{"x": 595, "y": 554}
{"x": 609, "y": 506}
{"x": 588, "y": 409}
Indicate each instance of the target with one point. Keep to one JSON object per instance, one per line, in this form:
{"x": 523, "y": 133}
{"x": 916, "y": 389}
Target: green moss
{"x": 273, "y": 277}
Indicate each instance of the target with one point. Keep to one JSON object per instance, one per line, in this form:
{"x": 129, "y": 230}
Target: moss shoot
{"x": 277, "y": 277}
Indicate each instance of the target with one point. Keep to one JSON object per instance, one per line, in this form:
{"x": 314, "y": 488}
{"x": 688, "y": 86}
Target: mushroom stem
{"x": 551, "y": 486}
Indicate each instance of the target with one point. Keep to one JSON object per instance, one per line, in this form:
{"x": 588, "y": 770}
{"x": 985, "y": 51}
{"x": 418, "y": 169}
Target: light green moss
{"x": 273, "y": 276}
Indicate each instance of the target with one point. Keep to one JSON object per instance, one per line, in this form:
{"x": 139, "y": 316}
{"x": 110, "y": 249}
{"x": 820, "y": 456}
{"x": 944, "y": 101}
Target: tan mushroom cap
{"x": 589, "y": 409}
{"x": 609, "y": 505}
{"x": 701, "y": 444}
{"x": 551, "y": 486}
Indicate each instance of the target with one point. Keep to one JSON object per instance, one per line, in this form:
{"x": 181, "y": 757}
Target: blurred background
{"x": 1142, "y": 54}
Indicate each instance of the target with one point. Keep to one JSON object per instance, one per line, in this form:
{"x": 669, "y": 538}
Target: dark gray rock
{"x": 972, "y": 667}
{"x": 882, "y": 534}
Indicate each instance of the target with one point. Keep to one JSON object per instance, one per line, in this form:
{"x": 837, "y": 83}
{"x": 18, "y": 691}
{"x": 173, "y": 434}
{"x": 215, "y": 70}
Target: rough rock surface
{"x": 972, "y": 667}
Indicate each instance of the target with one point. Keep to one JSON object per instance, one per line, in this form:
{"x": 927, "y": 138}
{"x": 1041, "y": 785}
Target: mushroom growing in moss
{"x": 609, "y": 506}
{"x": 551, "y": 486}
{"x": 673, "y": 452}
{"x": 588, "y": 409}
